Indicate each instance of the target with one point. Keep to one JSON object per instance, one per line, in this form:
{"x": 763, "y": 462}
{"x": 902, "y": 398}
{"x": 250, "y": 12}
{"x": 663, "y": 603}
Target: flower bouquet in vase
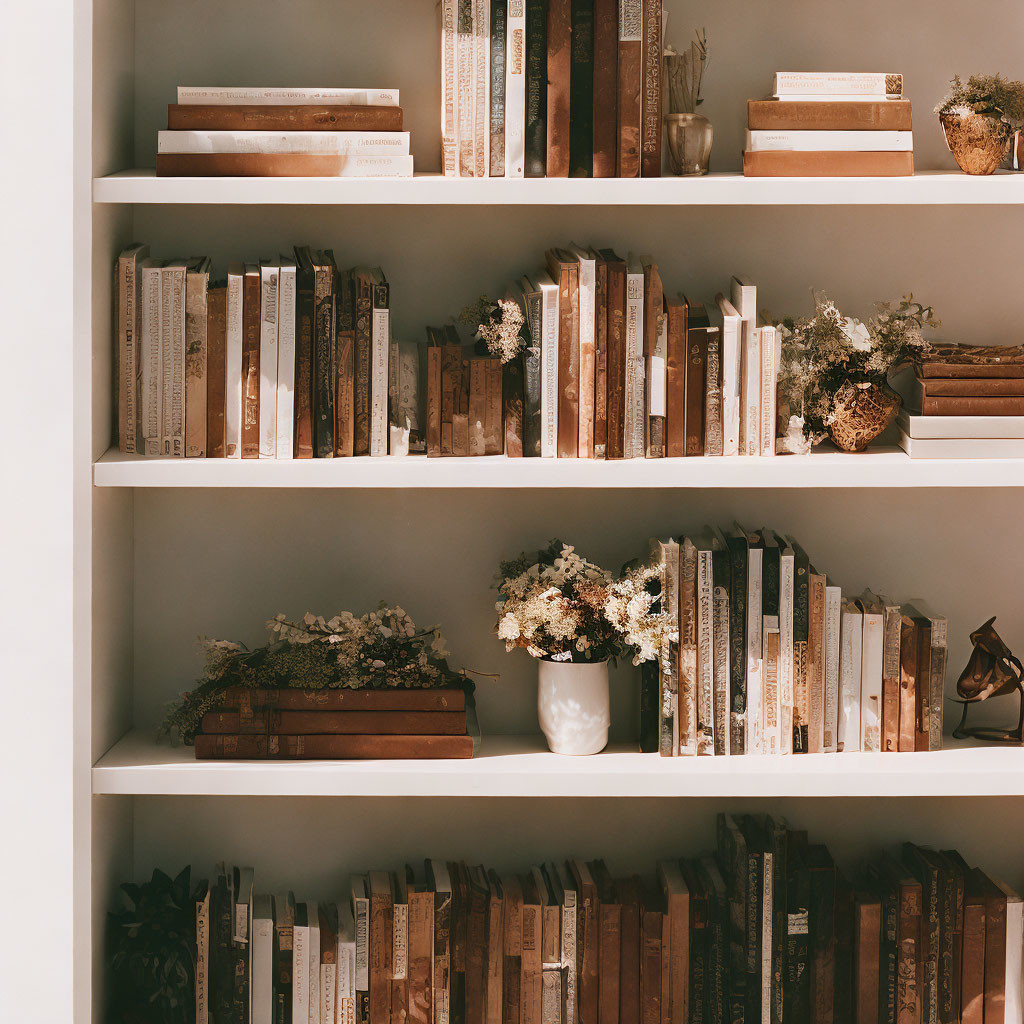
{"x": 575, "y": 617}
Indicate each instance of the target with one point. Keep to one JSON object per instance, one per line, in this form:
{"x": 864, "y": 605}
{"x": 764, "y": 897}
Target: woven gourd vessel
{"x": 863, "y": 411}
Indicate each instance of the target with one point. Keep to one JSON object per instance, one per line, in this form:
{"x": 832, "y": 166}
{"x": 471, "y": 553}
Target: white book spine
{"x": 705, "y": 654}
{"x": 635, "y": 409}
{"x": 262, "y": 972}
{"x": 588, "y": 325}
{"x": 766, "y": 414}
{"x": 233, "y": 367}
{"x": 361, "y": 912}
{"x": 268, "y": 360}
{"x": 755, "y": 663}
{"x": 260, "y": 96}
{"x": 314, "y": 964}
{"x": 871, "y": 682}
{"x": 328, "y": 993}
{"x": 515, "y": 89}
{"x": 449, "y": 129}
{"x": 549, "y": 369}
{"x": 833, "y": 625}
{"x": 481, "y": 87}
{"x": 817, "y": 97}
{"x": 1013, "y": 1009}
{"x": 787, "y": 571}
{"x": 335, "y": 143}
{"x": 657, "y": 372}
{"x": 400, "y": 942}
{"x": 152, "y": 372}
{"x": 286, "y": 362}
{"x": 300, "y": 973}
{"x": 750, "y": 390}
{"x": 379, "y": 353}
{"x": 852, "y": 641}
{"x": 964, "y": 448}
{"x": 830, "y": 141}
{"x": 173, "y": 323}
{"x": 732, "y": 366}
{"x": 839, "y": 83}
{"x": 346, "y": 989}
{"x": 767, "y": 920}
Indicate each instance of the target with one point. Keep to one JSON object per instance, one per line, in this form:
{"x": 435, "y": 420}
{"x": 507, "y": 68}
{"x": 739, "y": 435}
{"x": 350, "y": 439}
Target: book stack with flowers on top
{"x": 267, "y": 132}
{"x": 826, "y": 124}
{"x": 963, "y": 402}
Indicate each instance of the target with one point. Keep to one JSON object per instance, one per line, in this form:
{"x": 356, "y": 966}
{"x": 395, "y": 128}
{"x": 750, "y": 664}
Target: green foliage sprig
{"x": 989, "y": 95}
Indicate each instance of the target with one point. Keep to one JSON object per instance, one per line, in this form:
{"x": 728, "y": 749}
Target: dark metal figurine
{"x": 992, "y": 671}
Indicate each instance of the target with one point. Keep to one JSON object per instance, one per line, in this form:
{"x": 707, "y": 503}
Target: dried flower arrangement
{"x": 501, "y": 329}
{"x": 988, "y": 95}
{"x": 685, "y": 74}
{"x": 560, "y": 607}
{"x": 379, "y": 650}
{"x": 827, "y": 351}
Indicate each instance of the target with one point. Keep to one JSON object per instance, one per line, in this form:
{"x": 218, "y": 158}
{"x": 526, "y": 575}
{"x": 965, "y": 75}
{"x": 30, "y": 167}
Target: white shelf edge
{"x": 882, "y": 468}
{"x": 519, "y": 766}
{"x": 722, "y": 189}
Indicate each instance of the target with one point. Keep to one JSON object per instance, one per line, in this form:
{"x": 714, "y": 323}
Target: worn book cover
{"x": 564, "y": 270}
{"x": 816, "y": 663}
{"x": 339, "y": 723}
{"x": 628, "y": 896}
{"x": 536, "y": 88}
{"x": 362, "y": 360}
{"x": 655, "y": 358}
{"x": 697, "y": 337}
{"x": 676, "y": 895}
{"x": 499, "y": 57}
{"x": 587, "y": 950}
{"x": 325, "y": 352}
{"x": 601, "y": 358}
{"x": 736, "y": 541}
{"x": 616, "y": 364}
{"x": 270, "y": 278}
{"x": 531, "y": 977}
{"x": 651, "y": 126}
{"x": 251, "y": 362}
{"x": 216, "y": 355}
{"x": 559, "y": 74}
{"x": 629, "y": 88}
{"x": 688, "y": 681}
{"x": 581, "y": 90}
{"x": 609, "y": 945}
{"x": 705, "y": 674}
{"x": 439, "y": 881}
{"x": 721, "y": 581}
{"x": 512, "y": 949}
{"x": 344, "y": 402}
{"x": 675, "y": 378}
{"x": 698, "y": 927}
{"x": 127, "y": 354}
{"x": 305, "y": 305}
{"x": 587, "y": 260}
{"x": 908, "y": 682}
{"x": 606, "y": 44}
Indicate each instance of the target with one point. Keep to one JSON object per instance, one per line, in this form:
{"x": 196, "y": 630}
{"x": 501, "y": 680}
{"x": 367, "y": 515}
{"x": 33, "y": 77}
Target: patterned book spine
{"x": 202, "y": 975}
{"x": 361, "y": 913}
{"x": 251, "y": 363}
{"x": 891, "y": 678}
{"x": 616, "y": 363}
{"x": 655, "y": 355}
{"x": 532, "y": 402}
{"x": 442, "y": 956}
{"x": 286, "y": 361}
{"x": 569, "y": 955}
{"x": 549, "y": 389}
{"x": 150, "y": 360}
{"x": 449, "y": 101}
{"x": 477, "y": 406}
{"x": 713, "y": 440}
{"x": 755, "y": 655}
{"x": 559, "y": 76}
{"x": 233, "y": 379}
{"x": 937, "y": 681}
{"x": 129, "y": 308}
{"x": 601, "y": 360}
{"x": 304, "y": 390}
{"x": 705, "y": 655}
{"x": 750, "y": 390}
{"x": 833, "y": 619}
{"x": 720, "y": 641}
{"x": 175, "y": 326}
{"x": 535, "y": 141}
{"x": 499, "y": 42}
{"x": 688, "y": 682}
{"x": 464, "y": 87}
{"x": 197, "y": 282}
{"x": 737, "y": 643}
{"x": 481, "y": 87}
{"x": 363, "y": 362}
{"x": 635, "y": 405}
{"x": 908, "y": 684}
{"x": 629, "y": 77}
{"x": 515, "y": 90}
{"x": 816, "y": 665}
{"x": 908, "y": 957}
{"x": 344, "y": 399}
{"x": 512, "y": 407}
{"x": 606, "y": 44}
{"x": 772, "y": 703}
{"x": 768, "y": 377}
{"x": 872, "y": 646}
{"x": 269, "y": 273}
{"x": 786, "y": 701}
{"x": 651, "y": 100}
{"x": 460, "y": 414}
{"x": 587, "y": 327}
{"x": 568, "y": 359}
{"x": 324, "y": 360}
{"x": 381, "y": 348}
{"x": 696, "y": 356}
{"x": 581, "y": 91}
{"x": 852, "y": 640}
{"x": 494, "y": 441}
{"x": 217, "y": 352}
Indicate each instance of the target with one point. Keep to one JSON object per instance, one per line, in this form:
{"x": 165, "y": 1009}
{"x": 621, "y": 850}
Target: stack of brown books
{"x": 830, "y": 125}
{"x": 964, "y": 401}
{"x": 335, "y": 724}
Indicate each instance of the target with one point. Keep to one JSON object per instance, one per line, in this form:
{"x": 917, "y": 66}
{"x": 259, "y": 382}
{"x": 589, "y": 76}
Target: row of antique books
{"x": 563, "y": 88}
{"x": 766, "y": 927}
{"x": 822, "y": 124}
{"x": 217, "y": 131}
{"x": 771, "y": 659}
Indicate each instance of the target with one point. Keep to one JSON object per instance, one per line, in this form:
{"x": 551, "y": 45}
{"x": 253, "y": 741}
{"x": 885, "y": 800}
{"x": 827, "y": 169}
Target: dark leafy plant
{"x": 989, "y": 95}
{"x": 153, "y": 951}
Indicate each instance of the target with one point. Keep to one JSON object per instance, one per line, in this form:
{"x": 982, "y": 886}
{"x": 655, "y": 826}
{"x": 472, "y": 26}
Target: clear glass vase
{"x": 689, "y": 143}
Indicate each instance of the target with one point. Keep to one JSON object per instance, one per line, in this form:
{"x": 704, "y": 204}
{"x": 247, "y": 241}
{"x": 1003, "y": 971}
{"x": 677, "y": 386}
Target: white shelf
{"x": 518, "y": 766}
{"x": 884, "y": 467}
{"x": 727, "y": 189}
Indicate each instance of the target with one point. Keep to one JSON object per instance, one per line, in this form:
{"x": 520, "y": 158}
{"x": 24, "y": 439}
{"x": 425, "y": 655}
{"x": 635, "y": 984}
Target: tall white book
{"x": 548, "y": 364}
{"x": 588, "y": 336}
{"x": 300, "y": 964}
{"x": 851, "y": 647}
{"x": 345, "y": 999}
{"x": 769, "y": 375}
{"x": 269, "y": 273}
{"x": 449, "y": 102}
{"x": 233, "y": 363}
{"x": 833, "y": 625}
{"x": 335, "y": 143}
{"x": 328, "y": 964}
{"x": 361, "y": 916}
{"x": 481, "y": 87}
{"x": 744, "y": 300}
{"x": 262, "y": 973}
{"x": 379, "y": 353}
{"x": 635, "y": 370}
{"x": 755, "y": 663}
{"x": 313, "y": 920}
{"x": 787, "y": 579}
{"x": 1013, "y": 1007}
{"x": 872, "y": 649}
{"x": 515, "y": 89}
{"x": 840, "y": 84}
{"x": 732, "y": 367}
{"x": 286, "y": 360}
{"x": 151, "y": 360}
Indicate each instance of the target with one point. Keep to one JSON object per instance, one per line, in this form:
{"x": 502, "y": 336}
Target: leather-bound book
{"x": 512, "y": 949}
{"x": 892, "y": 628}
{"x": 477, "y": 405}
{"x": 675, "y": 381}
{"x": 867, "y": 932}
{"x": 531, "y": 981}
{"x": 281, "y": 165}
{"x": 713, "y": 419}
{"x": 717, "y": 935}
{"x": 495, "y": 950}
{"x": 972, "y": 362}
{"x": 251, "y": 362}
{"x": 651, "y": 993}
{"x": 971, "y": 1004}
{"x": 796, "y": 985}
{"x": 581, "y": 91}
{"x": 838, "y": 115}
{"x": 609, "y": 945}
{"x": 282, "y": 118}
{"x": 459, "y": 938}
{"x": 697, "y": 329}
{"x": 476, "y": 946}
{"x": 923, "y": 663}
{"x": 616, "y": 362}
{"x": 460, "y": 414}
{"x": 756, "y": 845}
{"x": 325, "y": 353}
{"x": 909, "y": 962}
{"x": 697, "y": 981}
{"x": 677, "y": 907}
{"x": 344, "y": 399}
{"x": 816, "y": 663}
{"x": 559, "y": 77}
{"x": 801, "y": 635}
{"x": 217, "y": 342}
{"x": 499, "y": 41}
{"x": 197, "y": 287}
{"x": 550, "y": 949}
{"x": 494, "y": 441}
{"x": 588, "y": 914}
{"x": 362, "y": 360}
{"x": 650, "y": 125}
{"x": 435, "y": 343}
{"x": 988, "y": 405}
{"x": 794, "y": 164}
{"x": 606, "y": 66}
{"x": 421, "y": 951}
{"x": 339, "y": 723}
{"x": 330, "y": 747}
{"x": 629, "y": 75}
{"x": 440, "y": 881}
{"x": 843, "y": 989}
{"x": 995, "y": 947}
{"x": 736, "y": 541}
{"x": 908, "y": 683}
{"x": 629, "y": 897}
{"x": 778, "y": 843}
{"x": 654, "y": 358}
{"x": 536, "y": 88}
{"x": 305, "y": 304}
{"x": 564, "y": 270}
{"x": 247, "y": 700}
{"x": 601, "y": 359}
{"x": 957, "y": 872}
{"x": 451, "y": 383}
{"x": 512, "y": 407}
{"x": 382, "y": 908}
{"x": 531, "y": 402}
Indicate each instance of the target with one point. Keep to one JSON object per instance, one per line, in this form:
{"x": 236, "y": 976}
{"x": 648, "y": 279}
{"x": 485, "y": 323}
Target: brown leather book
{"x": 650, "y": 965}
{"x": 654, "y": 308}
{"x": 550, "y": 955}
{"x": 995, "y": 947}
{"x": 451, "y": 383}
{"x": 325, "y": 352}
{"x": 344, "y": 402}
{"x": 697, "y": 326}
{"x": 330, "y": 748}
{"x": 477, "y": 406}
{"x": 867, "y": 925}
{"x": 512, "y": 949}
{"x": 964, "y": 387}
{"x": 435, "y": 342}
{"x": 972, "y": 361}
{"x": 251, "y": 165}
{"x": 530, "y": 977}
{"x": 908, "y": 683}
{"x": 512, "y": 407}
{"x": 677, "y": 910}
{"x": 400, "y": 979}
{"x": 493, "y": 434}
{"x": 616, "y": 363}
{"x": 559, "y": 71}
{"x": 460, "y": 922}
{"x": 197, "y": 287}
{"x": 606, "y": 62}
{"x": 909, "y": 964}
{"x": 609, "y": 954}
{"x": 363, "y": 285}
{"x": 972, "y": 976}
{"x": 650, "y": 124}
{"x": 421, "y": 952}
{"x": 675, "y": 403}
{"x": 217, "y": 348}
{"x": 601, "y": 359}
{"x": 891, "y": 672}
{"x": 382, "y": 909}
{"x": 339, "y": 723}
{"x": 476, "y": 946}
{"x": 495, "y": 948}
{"x": 775, "y": 115}
{"x": 958, "y": 872}
{"x": 247, "y": 700}
{"x": 460, "y": 417}
{"x": 251, "y": 362}
{"x": 988, "y": 406}
{"x": 565, "y": 272}
{"x": 588, "y": 915}
{"x": 666, "y": 970}
{"x": 793, "y": 164}
{"x": 305, "y": 299}
{"x": 816, "y": 663}
{"x": 282, "y": 118}
{"x": 630, "y": 78}
{"x": 922, "y": 710}
{"x": 629, "y": 897}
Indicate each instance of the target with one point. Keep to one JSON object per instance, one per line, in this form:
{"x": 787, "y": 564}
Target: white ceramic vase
{"x": 572, "y": 705}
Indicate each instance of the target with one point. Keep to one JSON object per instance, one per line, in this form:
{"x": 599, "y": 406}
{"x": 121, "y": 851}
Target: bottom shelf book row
{"x": 766, "y": 927}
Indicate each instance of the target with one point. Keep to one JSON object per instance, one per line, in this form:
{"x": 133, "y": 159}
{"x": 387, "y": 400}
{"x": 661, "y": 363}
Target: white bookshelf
{"x": 168, "y": 550}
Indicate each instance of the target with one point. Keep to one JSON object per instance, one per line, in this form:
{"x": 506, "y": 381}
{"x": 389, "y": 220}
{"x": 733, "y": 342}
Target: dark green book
{"x": 536, "y": 88}
{"x": 732, "y": 860}
{"x": 581, "y": 91}
{"x": 757, "y": 846}
{"x": 737, "y": 542}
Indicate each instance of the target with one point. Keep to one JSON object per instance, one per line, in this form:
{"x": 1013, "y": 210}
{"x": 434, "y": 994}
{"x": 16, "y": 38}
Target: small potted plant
{"x": 575, "y": 617}
{"x": 690, "y": 134}
{"x": 979, "y": 120}
{"x": 833, "y": 379}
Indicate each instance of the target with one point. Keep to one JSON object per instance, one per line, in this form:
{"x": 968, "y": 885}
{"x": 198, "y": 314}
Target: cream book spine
{"x": 769, "y": 373}
{"x": 313, "y": 916}
{"x": 744, "y": 301}
{"x": 732, "y": 367}
{"x": 787, "y": 572}
{"x": 261, "y": 981}
{"x": 588, "y": 323}
{"x": 449, "y": 101}
{"x": 569, "y": 935}
{"x": 152, "y": 407}
{"x": 515, "y": 89}
{"x": 233, "y": 363}
{"x": 687, "y": 686}
{"x": 328, "y": 993}
{"x": 203, "y": 959}
{"x": 872, "y": 648}
{"x": 269, "y": 272}
{"x": 380, "y": 351}
{"x": 830, "y": 141}
{"x": 367, "y": 144}
{"x": 833, "y": 625}
{"x": 464, "y": 103}
{"x": 172, "y": 351}
{"x": 852, "y": 645}
{"x": 705, "y": 653}
{"x": 286, "y": 361}
{"x": 1013, "y": 992}
{"x": 720, "y": 669}
{"x": 755, "y": 663}
{"x": 272, "y": 96}
{"x": 345, "y": 995}
{"x": 548, "y": 365}
{"x": 839, "y": 84}
{"x": 481, "y": 87}
{"x": 300, "y": 973}
{"x": 635, "y": 418}
{"x": 361, "y": 914}
{"x": 400, "y": 940}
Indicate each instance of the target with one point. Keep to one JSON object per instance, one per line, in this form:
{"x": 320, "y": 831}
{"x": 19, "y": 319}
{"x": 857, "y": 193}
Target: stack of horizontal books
{"x": 339, "y": 724}
{"x": 828, "y": 124}
{"x": 337, "y": 133}
{"x": 963, "y": 401}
